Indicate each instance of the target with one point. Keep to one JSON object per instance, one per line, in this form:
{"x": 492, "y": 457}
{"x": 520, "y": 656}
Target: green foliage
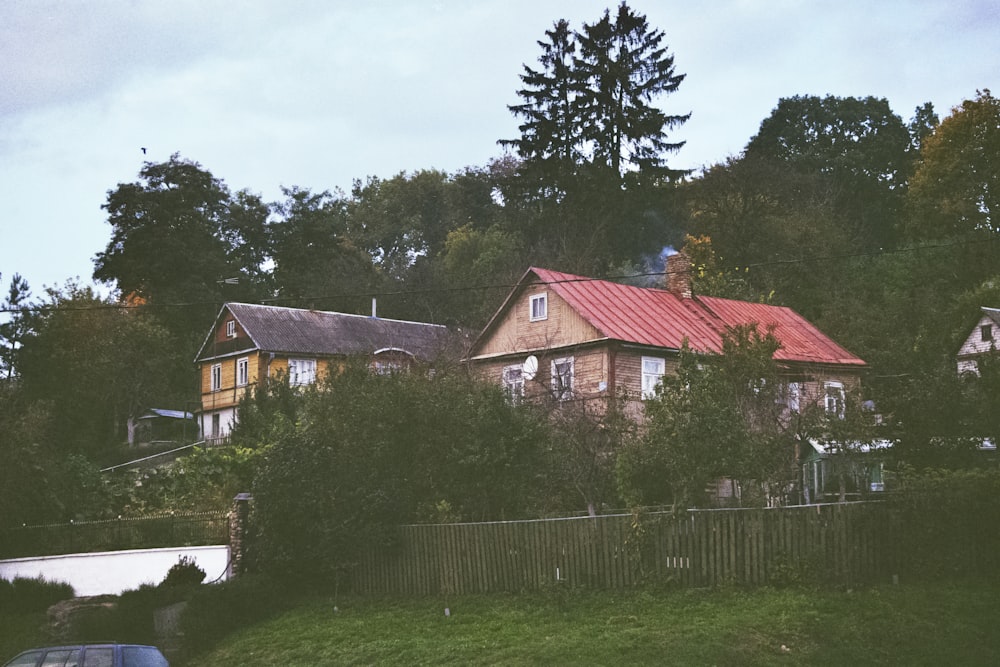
{"x": 185, "y": 572}
{"x": 216, "y": 611}
{"x": 177, "y": 233}
{"x": 207, "y": 478}
{"x": 370, "y": 452}
{"x": 593, "y": 141}
{"x": 716, "y": 417}
{"x": 14, "y": 312}
{"x": 953, "y": 192}
{"x": 96, "y": 363}
{"x": 23, "y": 594}
{"x": 940, "y": 519}
{"x": 40, "y": 482}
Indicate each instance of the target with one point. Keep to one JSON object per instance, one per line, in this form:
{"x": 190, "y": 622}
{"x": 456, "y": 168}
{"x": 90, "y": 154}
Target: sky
{"x": 317, "y": 93}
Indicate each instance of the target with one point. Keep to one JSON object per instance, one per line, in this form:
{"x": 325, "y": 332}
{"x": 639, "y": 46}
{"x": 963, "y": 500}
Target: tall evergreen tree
{"x": 623, "y": 68}
{"x": 551, "y": 140}
{"x": 592, "y": 143}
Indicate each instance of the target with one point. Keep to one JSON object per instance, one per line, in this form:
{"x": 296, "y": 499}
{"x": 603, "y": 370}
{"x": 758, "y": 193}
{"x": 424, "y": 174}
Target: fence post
{"x": 237, "y": 533}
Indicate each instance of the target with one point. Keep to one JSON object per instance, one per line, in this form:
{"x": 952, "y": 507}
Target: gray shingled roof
{"x": 323, "y": 333}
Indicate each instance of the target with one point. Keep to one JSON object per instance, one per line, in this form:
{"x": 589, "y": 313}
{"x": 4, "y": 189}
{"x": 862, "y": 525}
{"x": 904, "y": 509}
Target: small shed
{"x": 158, "y": 425}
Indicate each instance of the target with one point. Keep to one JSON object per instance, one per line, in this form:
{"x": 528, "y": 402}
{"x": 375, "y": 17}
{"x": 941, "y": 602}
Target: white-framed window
{"x": 513, "y": 382}
{"x": 231, "y": 328}
{"x": 388, "y": 366}
{"x": 301, "y": 372}
{"x": 653, "y": 370}
{"x": 834, "y": 398}
{"x": 793, "y": 396}
{"x": 562, "y": 378}
{"x": 216, "y": 377}
{"x": 539, "y": 307}
{"x": 243, "y": 372}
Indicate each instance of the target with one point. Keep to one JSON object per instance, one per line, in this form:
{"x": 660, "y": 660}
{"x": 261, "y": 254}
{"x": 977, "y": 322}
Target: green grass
{"x": 936, "y": 624}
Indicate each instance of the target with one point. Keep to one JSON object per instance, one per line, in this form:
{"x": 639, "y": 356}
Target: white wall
{"x": 112, "y": 572}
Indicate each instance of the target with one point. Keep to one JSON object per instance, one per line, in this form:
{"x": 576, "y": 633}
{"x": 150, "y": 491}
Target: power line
{"x": 815, "y": 259}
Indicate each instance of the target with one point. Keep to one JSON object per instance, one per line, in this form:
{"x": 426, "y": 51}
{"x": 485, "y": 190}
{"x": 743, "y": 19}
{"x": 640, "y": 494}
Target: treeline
{"x": 881, "y": 231}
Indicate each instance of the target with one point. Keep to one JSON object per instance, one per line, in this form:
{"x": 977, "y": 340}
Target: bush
{"x": 27, "y": 595}
{"x": 220, "y": 609}
{"x": 185, "y": 572}
{"x": 945, "y": 521}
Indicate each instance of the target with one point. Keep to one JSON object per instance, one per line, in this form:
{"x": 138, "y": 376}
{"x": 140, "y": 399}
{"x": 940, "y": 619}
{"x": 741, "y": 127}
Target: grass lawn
{"x": 933, "y": 624}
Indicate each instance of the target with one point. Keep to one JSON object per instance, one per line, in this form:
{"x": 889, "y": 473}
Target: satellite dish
{"x": 529, "y": 369}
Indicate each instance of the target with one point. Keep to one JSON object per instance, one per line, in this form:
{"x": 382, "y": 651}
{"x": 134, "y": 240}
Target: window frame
{"x": 563, "y": 391}
{"x": 648, "y": 389}
{"x": 986, "y": 333}
{"x": 838, "y": 406}
{"x": 542, "y": 311}
{"x": 242, "y": 371}
{"x": 301, "y": 377}
{"x": 793, "y": 396}
{"x": 231, "y": 329}
{"x": 215, "y": 378}
{"x": 514, "y": 388}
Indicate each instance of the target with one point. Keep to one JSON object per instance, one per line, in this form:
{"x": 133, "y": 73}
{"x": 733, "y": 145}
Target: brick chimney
{"x": 678, "y": 278}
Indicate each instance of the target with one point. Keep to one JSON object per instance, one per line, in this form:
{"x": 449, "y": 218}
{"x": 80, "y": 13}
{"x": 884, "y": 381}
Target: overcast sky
{"x": 318, "y": 93}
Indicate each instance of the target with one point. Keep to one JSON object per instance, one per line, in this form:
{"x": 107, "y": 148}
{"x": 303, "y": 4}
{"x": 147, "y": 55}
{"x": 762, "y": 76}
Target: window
{"x": 243, "y": 372}
{"x": 301, "y": 371}
{"x": 986, "y": 333}
{"x": 834, "y": 398}
{"x": 216, "y": 425}
{"x": 216, "y": 377}
{"x": 513, "y": 382}
{"x": 388, "y": 366}
{"x": 793, "y": 396}
{"x": 539, "y": 307}
{"x": 102, "y": 656}
{"x": 231, "y": 328}
{"x": 653, "y": 369}
{"x": 59, "y": 657}
{"x": 562, "y": 378}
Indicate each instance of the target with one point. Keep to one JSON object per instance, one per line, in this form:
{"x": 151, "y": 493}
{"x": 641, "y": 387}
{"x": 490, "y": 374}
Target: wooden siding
{"x": 974, "y": 345}
{"x": 516, "y": 332}
{"x": 260, "y": 367}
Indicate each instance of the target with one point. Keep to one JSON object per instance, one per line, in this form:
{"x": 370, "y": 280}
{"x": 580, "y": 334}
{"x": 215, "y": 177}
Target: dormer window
{"x": 231, "y": 329}
{"x": 986, "y": 333}
{"x": 539, "y": 307}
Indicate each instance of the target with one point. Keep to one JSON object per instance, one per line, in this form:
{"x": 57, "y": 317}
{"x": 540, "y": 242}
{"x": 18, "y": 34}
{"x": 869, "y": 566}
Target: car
{"x": 91, "y": 655}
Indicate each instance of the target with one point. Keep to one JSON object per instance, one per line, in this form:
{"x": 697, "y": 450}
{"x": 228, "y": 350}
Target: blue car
{"x": 91, "y": 655}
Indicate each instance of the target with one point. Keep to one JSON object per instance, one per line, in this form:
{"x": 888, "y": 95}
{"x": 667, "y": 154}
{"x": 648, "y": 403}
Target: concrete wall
{"x": 112, "y": 572}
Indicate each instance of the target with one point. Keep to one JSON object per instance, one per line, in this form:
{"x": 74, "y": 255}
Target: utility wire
{"x": 815, "y": 259}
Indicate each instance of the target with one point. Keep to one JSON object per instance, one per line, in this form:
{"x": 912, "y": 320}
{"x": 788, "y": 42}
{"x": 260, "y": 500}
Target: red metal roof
{"x": 660, "y": 318}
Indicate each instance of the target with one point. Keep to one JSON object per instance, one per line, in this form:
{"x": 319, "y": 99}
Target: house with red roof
{"x": 572, "y": 338}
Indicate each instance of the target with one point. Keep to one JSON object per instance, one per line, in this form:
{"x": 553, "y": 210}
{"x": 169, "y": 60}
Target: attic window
{"x": 986, "y": 332}
{"x": 539, "y": 307}
{"x": 231, "y": 329}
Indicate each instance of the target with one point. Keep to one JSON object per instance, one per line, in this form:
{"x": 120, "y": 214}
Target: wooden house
{"x": 250, "y": 342}
{"x": 984, "y": 337}
{"x": 569, "y": 337}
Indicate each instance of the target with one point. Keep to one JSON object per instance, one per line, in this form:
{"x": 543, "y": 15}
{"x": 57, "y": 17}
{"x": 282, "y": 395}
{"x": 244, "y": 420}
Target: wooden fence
{"x": 838, "y": 543}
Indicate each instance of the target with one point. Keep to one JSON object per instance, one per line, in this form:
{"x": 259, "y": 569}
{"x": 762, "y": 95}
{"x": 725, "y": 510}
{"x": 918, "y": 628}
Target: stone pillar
{"x": 238, "y": 518}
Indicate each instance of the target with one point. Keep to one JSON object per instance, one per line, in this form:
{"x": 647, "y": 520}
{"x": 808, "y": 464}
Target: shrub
{"x": 27, "y": 595}
{"x": 220, "y": 609}
{"x": 185, "y": 572}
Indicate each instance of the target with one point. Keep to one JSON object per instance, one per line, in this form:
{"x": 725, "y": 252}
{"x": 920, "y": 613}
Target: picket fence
{"x": 844, "y": 543}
